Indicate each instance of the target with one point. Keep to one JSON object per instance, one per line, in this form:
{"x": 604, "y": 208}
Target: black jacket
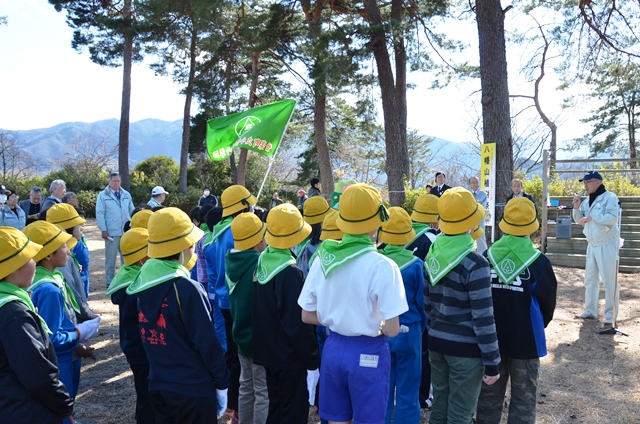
{"x": 524, "y": 194}
{"x": 523, "y": 309}
{"x": 420, "y": 247}
{"x": 176, "y": 327}
{"x": 130, "y": 341}
{"x": 434, "y": 190}
{"x": 280, "y": 339}
{"x": 30, "y": 386}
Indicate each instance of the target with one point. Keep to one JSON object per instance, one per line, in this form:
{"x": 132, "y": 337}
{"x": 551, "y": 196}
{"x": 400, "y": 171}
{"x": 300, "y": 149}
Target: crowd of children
{"x": 365, "y": 311}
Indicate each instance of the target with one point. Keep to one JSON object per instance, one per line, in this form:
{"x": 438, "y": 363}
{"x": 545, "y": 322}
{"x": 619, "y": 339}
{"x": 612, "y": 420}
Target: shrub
{"x": 87, "y": 201}
{"x": 411, "y": 196}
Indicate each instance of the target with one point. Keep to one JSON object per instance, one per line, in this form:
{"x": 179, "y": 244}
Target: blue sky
{"x": 45, "y": 82}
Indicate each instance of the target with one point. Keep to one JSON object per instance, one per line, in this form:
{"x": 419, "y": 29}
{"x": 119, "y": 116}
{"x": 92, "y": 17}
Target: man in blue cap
{"x": 599, "y": 217}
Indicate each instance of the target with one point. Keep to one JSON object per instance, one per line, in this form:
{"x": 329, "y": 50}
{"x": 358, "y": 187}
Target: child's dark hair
{"x": 213, "y": 217}
{"x": 194, "y": 214}
{"x": 316, "y": 230}
{"x": 157, "y": 208}
{"x": 314, "y": 181}
{"x": 175, "y": 257}
{"x": 204, "y": 210}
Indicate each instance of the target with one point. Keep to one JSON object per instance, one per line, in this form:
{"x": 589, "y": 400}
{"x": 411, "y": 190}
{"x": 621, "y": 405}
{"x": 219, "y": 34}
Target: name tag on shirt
{"x": 369, "y": 361}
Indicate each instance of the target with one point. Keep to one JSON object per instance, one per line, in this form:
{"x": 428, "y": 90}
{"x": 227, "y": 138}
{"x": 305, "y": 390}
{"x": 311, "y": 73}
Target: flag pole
{"x": 273, "y": 158}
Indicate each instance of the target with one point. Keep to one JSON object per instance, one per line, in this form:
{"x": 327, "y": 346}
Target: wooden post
{"x": 545, "y": 200}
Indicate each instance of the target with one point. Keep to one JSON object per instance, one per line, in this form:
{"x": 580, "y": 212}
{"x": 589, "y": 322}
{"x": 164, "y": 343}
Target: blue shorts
{"x": 354, "y": 379}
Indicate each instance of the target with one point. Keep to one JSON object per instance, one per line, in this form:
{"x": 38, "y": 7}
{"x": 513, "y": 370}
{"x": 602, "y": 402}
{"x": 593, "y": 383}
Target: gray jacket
{"x": 603, "y": 227}
{"x": 112, "y": 213}
{"x": 8, "y": 217}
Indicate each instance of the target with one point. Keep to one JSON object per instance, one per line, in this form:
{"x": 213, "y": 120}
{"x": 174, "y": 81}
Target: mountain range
{"x": 151, "y": 137}
{"x": 146, "y": 138}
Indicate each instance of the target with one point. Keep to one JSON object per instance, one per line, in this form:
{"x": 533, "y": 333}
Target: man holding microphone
{"x": 599, "y": 216}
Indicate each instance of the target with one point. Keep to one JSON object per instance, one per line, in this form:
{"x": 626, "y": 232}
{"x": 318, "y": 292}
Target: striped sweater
{"x": 460, "y": 313}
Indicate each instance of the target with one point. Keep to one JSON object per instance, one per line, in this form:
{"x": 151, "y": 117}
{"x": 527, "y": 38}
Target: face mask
{"x": 3, "y": 198}
{"x": 207, "y": 193}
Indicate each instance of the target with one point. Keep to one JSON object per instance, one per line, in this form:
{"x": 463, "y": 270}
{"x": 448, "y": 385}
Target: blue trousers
{"x": 406, "y": 368}
{"x": 354, "y": 379}
{"x": 70, "y": 376}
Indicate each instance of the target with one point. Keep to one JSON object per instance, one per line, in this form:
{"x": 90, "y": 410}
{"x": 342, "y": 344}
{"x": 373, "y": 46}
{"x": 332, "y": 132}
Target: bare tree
{"x": 87, "y": 160}
{"x": 14, "y": 161}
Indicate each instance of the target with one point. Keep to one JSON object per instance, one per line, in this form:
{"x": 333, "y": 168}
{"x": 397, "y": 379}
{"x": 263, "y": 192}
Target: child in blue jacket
{"x": 406, "y": 350}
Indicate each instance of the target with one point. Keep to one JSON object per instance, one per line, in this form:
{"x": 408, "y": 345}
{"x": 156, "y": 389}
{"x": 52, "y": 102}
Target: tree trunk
{"x": 397, "y": 164}
{"x": 253, "y": 98}
{"x": 186, "y": 118}
{"x": 314, "y": 20}
{"x": 496, "y": 120}
{"x": 631, "y": 128}
{"x": 123, "y": 138}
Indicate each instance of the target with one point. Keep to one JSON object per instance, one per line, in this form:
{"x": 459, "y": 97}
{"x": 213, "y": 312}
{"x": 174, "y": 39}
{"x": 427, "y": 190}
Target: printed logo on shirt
{"x": 434, "y": 266}
{"x": 369, "y": 361}
{"x": 516, "y": 285}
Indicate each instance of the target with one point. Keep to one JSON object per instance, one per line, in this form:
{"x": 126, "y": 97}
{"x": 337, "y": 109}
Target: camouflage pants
{"x": 524, "y": 385}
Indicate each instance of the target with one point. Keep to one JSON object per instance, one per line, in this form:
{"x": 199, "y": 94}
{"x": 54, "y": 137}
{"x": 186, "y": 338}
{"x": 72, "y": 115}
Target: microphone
{"x": 580, "y": 195}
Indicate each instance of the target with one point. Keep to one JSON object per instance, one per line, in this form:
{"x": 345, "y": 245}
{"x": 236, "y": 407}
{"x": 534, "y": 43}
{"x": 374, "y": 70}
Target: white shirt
{"x": 357, "y": 296}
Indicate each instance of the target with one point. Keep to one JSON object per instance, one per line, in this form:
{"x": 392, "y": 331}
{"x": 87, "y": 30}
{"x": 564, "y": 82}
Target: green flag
{"x": 259, "y": 129}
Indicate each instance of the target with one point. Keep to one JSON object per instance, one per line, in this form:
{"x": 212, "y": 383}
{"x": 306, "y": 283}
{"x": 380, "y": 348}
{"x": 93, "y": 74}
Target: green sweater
{"x": 240, "y": 266}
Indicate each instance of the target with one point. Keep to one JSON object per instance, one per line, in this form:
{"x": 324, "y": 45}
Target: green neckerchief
{"x": 12, "y": 293}
{"x": 43, "y": 275}
{"x": 333, "y": 253}
{"x": 204, "y": 227}
{"x": 446, "y": 253}
{"x": 420, "y": 229}
{"x": 218, "y": 229}
{"x": 271, "y": 262}
{"x": 154, "y": 272}
{"x": 511, "y": 255}
{"x": 123, "y": 279}
{"x": 83, "y": 239}
{"x": 300, "y": 247}
{"x": 398, "y": 254}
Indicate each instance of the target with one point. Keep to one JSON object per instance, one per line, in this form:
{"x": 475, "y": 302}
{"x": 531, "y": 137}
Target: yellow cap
{"x": 235, "y": 199}
{"x": 330, "y": 230}
{"x": 192, "y": 262}
{"x": 459, "y": 211}
{"x": 141, "y": 219}
{"x": 285, "y": 227}
{"x": 397, "y": 230}
{"x": 361, "y": 209}
{"x": 477, "y": 233}
{"x": 315, "y": 209}
{"x": 171, "y": 232}
{"x": 64, "y": 216}
{"x": 425, "y": 209}
{"x": 520, "y": 217}
{"x": 16, "y": 249}
{"x": 133, "y": 245}
{"x": 49, "y": 236}
{"x": 248, "y": 231}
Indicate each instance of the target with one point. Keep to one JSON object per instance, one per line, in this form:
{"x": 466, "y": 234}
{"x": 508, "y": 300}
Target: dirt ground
{"x": 586, "y": 377}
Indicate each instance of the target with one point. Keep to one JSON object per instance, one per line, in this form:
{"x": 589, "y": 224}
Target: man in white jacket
{"x": 113, "y": 210}
{"x": 599, "y": 217}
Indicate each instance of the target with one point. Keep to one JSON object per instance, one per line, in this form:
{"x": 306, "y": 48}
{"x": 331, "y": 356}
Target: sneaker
{"x": 586, "y": 315}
